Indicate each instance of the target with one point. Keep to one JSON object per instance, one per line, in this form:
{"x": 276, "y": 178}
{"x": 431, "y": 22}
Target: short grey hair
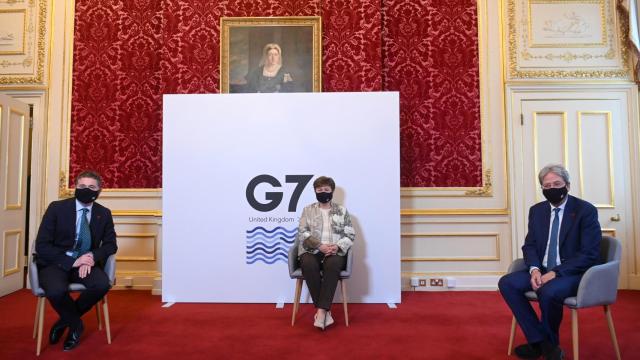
{"x": 556, "y": 169}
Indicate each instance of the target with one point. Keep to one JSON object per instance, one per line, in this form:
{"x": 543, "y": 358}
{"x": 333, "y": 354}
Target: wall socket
{"x": 423, "y": 282}
{"x": 436, "y": 282}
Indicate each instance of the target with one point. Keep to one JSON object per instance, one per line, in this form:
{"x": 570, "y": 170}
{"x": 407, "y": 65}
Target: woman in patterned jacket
{"x": 325, "y": 234}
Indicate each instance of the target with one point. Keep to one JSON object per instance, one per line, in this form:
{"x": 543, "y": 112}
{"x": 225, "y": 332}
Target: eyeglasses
{"x": 92, "y": 187}
{"x": 553, "y": 185}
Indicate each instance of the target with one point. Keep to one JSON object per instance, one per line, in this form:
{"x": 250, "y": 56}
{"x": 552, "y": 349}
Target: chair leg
{"x": 40, "y": 312}
{"x": 296, "y": 301}
{"x": 344, "y": 301}
{"x": 612, "y": 331}
{"x": 574, "y": 333}
{"x": 98, "y": 316}
{"x": 105, "y": 312}
{"x": 35, "y": 321}
{"x": 512, "y": 335}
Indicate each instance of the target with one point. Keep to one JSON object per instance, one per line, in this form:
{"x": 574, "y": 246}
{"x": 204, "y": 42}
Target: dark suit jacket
{"x": 579, "y": 239}
{"x": 57, "y": 234}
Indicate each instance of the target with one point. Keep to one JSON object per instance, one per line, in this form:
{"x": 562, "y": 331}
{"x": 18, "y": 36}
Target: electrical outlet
{"x": 423, "y": 282}
{"x": 436, "y": 282}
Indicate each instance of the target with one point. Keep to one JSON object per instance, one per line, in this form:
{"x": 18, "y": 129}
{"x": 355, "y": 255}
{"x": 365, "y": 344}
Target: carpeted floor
{"x": 427, "y": 325}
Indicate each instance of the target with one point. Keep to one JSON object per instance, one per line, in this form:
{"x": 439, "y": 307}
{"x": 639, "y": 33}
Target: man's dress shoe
{"x": 73, "y": 339}
{"x": 529, "y": 351}
{"x": 56, "y": 331}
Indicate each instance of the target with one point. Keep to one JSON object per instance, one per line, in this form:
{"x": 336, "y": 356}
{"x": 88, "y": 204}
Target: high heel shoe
{"x": 328, "y": 319}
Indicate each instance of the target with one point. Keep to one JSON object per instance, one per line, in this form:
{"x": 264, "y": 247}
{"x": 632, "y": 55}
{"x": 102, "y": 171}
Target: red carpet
{"x": 427, "y": 325}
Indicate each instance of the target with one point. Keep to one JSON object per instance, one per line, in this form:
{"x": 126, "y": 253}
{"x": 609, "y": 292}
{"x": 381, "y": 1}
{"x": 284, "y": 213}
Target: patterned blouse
{"x": 310, "y": 229}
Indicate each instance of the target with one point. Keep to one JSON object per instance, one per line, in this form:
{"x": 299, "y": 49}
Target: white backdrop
{"x": 216, "y": 247}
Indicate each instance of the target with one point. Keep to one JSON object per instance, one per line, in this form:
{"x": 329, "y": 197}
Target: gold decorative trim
{"x": 516, "y": 73}
{"x": 486, "y": 189}
{"x": 315, "y": 22}
{"x": 155, "y": 213}
{"x": 7, "y": 272}
{"x": 24, "y": 32}
{"x": 565, "y": 143}
{"x": 21, "y": 171}
{"x": 64, "y": 191}
{"x": 609, "y": 232}
{"x": 413, "y": 212}
{"x": 451, "y": 273}
{"x": 609, "y": 153}
{"x": 38, "y": 77}
{"x": 603, "y": 27}
{"x": 496, "y": 237}
{"x": 153, "y": 236}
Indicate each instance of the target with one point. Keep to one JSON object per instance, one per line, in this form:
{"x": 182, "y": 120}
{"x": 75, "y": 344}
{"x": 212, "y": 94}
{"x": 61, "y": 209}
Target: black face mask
{"x": 324, "y": 197}
{"x": 86, "y": 195}
{"x": 555, "y": 195}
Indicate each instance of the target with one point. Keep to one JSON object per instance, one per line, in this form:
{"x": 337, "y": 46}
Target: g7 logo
{"x": 275, "y": 197}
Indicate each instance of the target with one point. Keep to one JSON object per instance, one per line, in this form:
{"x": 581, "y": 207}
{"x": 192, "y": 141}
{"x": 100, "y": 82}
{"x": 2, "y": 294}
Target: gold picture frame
{"x": 247, "y": 42}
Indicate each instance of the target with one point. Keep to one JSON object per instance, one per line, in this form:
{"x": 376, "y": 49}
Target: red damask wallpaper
{"x": 128, "y": 53}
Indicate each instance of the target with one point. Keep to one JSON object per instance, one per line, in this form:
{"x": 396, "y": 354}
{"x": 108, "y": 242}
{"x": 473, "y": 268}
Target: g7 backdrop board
{"x": 237, "y": 172}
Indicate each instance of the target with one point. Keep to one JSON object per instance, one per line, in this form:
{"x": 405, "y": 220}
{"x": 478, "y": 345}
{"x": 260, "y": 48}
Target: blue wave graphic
{"x": 266, "y": 246}
{"x": 279, "y": 255}
{"x": 292, "y": 231}
{"x": 269, "y": 245}
{"x": 270, "y": 262}
{"x": 274, "y": 235}
{"x": 261, "y": 250}
{"x": 280, "y": 240}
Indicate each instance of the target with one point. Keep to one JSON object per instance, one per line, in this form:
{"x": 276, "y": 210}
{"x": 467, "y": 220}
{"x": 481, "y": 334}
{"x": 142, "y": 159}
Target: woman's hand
{"x": 325, "y": 249}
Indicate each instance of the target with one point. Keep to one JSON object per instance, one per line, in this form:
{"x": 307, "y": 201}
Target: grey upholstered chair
{"x": 109, "y": 269}
{"x": 295, "y": 272}
{"x": 598, "y": 287}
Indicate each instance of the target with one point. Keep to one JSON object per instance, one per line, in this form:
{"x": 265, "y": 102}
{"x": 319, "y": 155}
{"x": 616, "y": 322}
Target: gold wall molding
{"x": 604, "y": 59}
{"x": 416, "y": 212}
{"x": 495, "y": 236}
{"x": 5, "y": 252}
{"x": 152, "y": 236}
{"x": 26, "y": 67}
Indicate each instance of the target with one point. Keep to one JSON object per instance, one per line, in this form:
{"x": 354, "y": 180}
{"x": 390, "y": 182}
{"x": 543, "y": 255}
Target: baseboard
{"x": 451, "y": 282}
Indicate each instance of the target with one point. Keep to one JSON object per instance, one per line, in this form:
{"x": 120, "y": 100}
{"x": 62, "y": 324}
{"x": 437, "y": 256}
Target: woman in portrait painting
{"x": 270, "y": 76}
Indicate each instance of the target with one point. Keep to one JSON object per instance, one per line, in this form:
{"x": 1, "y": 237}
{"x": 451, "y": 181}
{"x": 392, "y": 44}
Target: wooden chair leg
{"x": 344, "y": 301}
{"x": 98, "y": 316}
{"x": 35, "y": 321}
{"x": 296, "y": 301}
{"x": 40, "y": 312}
{"x": 612, "y": 331}
{"x": 574, "y": 333}
{"x": 512, "y": 335}
{"x": 105, "y": 312}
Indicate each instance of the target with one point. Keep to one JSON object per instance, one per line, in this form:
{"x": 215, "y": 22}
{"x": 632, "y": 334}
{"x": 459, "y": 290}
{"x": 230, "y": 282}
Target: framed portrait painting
{"x": 270, "y": 54}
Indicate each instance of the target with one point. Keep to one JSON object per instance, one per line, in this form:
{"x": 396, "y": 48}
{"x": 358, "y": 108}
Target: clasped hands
{"x": 84, "y": 263}
{"x": 327, "y": 249}
{"x": 538, "y": 280}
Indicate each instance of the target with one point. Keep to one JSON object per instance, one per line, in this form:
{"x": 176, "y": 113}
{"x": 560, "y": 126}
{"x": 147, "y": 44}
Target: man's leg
{"x": 97, "y": 284}
{"x": 55, "y": 282}
{"x": 512, "y": 287}
{"x": 331, "y": 268}
{"x": 551, "y": 298}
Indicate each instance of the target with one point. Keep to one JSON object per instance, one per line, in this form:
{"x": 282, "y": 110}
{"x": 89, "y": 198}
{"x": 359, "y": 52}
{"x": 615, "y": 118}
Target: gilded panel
{"x": 23, "y": 28}
{"x": 566, "y": 39}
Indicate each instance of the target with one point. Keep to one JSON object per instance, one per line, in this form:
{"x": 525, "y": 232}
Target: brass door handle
{"x": 615, "y": 218}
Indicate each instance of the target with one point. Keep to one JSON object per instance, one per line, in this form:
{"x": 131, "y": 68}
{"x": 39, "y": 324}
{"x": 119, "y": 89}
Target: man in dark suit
{"x": 75, "y": 237}
{"x": 562, "y": 242}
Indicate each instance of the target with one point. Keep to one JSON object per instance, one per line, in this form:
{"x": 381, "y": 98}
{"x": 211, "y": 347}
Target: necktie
{"x": 84, "y": 235}
{"x": 553, "y": 241}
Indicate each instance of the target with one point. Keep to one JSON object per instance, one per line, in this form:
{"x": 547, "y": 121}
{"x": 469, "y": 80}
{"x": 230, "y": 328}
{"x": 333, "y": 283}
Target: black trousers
{"x": 55, "y": 282}
{"x": 322, "y": 274}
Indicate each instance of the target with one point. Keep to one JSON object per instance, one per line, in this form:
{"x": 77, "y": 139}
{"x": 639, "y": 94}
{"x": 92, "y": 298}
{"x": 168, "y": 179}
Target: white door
{"x": 587, "y": 135}
{"x": 14, "y": 154}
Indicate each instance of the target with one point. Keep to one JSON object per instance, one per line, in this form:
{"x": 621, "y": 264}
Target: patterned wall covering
{"x": 128, "y": 53}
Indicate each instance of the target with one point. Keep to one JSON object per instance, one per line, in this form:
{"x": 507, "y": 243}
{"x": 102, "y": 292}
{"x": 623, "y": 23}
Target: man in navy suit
{"x": 75, "y": 237}
{"x": 562, "y": 242}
